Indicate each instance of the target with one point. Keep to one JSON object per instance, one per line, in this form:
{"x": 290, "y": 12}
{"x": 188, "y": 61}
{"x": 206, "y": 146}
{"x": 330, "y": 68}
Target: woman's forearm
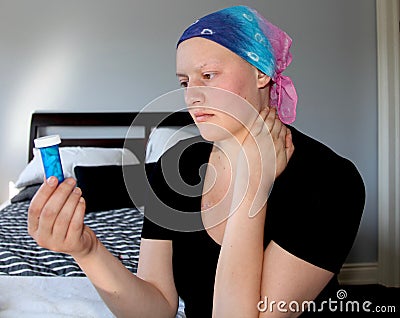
{"x": 124, "y": 293}
{"x": 239, "y": 270}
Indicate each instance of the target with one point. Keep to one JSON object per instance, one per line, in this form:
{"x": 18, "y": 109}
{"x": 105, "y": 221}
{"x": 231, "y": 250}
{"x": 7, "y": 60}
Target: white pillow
{"x": 74, "y": 156}
{"x": 163, "y": 138}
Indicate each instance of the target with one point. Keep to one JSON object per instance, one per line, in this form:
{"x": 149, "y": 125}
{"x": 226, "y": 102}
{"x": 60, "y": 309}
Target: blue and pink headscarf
{"x": 248, "y": 34}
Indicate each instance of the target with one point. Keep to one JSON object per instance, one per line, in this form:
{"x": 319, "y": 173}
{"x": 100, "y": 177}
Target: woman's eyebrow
{"x": 181, "y": 75}
{"x": 201, "y": 67}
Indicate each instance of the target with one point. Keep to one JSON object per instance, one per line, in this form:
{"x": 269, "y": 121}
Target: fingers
{"x": 55, "y": 213}
{"x": 76, "y": 224}
{"x": 64, "y": 218}
{"x": 279, "y": 133}
{"x": 259, "y": 122}
{"x": 270, "y": 120}
{"x": 267, "y": 117}
{"x": 289, "y": 144}
{"x": 282, "y": 138}
{"x": 53, "y": 206}
{"x": 269, "y": 131}
{"x": 38, "y": 202}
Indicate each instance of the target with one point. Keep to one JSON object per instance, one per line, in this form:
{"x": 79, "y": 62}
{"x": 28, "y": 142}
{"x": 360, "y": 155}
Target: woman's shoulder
{"x": 316, "y": 173}
{"x": 310, "y": 145}
{"x": 316, "y": 204}
{"x": 312, "y": 154}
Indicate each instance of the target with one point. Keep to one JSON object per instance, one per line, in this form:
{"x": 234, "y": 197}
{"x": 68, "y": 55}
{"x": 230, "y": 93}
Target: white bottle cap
{"x": 47, "y": 141}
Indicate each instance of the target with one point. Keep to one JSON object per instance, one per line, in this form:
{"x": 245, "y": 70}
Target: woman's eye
{"x": 208, "y": 76}
{"x": 183, "y": 84}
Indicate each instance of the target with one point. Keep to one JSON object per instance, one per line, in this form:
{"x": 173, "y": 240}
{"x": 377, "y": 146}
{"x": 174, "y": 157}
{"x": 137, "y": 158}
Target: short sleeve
{"x": 317, "y": 216}
{"x": 152, "y": 230}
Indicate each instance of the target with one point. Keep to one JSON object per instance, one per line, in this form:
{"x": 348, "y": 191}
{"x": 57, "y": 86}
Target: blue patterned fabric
{"x": 252, "y": 37}
{"x": 236, "y": 28}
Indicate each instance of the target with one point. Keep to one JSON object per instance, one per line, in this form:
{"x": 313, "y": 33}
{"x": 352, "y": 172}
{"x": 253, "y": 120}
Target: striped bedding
{"x": 119, "y": 230}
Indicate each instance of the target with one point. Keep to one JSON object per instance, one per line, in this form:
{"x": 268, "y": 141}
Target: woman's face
{"x": 224, "y": 93}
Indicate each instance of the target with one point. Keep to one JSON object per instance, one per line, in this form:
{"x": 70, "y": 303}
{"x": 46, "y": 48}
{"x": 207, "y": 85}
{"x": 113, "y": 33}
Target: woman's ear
{"x": 262, "y": 79}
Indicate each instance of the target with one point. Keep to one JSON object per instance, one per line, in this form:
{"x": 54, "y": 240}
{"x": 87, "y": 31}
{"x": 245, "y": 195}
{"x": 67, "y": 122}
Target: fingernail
{"x": 70, "y": 181}
{"x": 51, "y": 181}
{"x": 77, "y": 191}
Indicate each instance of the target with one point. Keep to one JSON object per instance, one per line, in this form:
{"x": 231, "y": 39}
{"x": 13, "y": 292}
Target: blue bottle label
{"x": 52, "y": 162}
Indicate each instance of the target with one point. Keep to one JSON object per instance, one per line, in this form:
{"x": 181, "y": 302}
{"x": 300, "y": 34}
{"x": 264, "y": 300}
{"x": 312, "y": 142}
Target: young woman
{"x": 271, "y": 218}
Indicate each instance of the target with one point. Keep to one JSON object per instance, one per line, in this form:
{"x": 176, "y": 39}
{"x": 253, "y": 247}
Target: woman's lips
{"x": 202, "y": 117}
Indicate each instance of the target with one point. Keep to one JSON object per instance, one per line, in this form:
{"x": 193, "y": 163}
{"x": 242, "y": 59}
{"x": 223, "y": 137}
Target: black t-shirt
{"x": 313, "y": 212}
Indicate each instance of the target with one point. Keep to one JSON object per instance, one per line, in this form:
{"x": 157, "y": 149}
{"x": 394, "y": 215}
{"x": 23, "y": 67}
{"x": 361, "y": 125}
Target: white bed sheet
{"x": 47, "y": 297}
{"x": 53, "y": 297}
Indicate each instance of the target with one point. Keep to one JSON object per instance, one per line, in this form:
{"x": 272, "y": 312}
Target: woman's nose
{"x": 194, "y": 96}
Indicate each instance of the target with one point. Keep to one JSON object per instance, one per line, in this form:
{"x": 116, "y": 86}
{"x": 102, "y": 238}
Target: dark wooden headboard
{"x": 106, "y": 119}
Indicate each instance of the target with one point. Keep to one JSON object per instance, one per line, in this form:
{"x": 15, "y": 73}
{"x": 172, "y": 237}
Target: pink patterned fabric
{"x": 283, "y": 94}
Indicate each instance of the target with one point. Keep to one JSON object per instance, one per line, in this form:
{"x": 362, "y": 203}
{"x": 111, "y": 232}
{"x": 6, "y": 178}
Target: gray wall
{"x": 99, "y": 55}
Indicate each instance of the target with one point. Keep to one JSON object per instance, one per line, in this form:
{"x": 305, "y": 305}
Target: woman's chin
{"x": 212, "y": 132}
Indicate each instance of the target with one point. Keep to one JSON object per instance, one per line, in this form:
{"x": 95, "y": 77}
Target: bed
{"x": 35, "y": 282}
